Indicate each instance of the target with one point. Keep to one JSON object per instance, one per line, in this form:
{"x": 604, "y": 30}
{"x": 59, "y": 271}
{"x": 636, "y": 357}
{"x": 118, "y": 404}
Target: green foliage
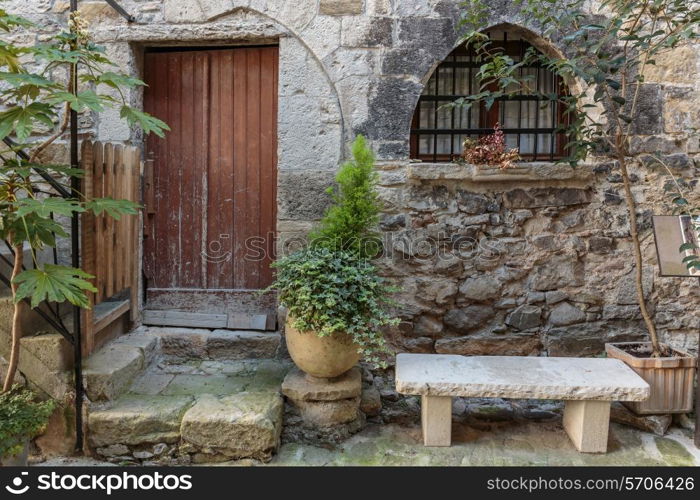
{"x": 113, "y": 208}
{"x": 328, "y": 291}
{"x": 37, "y": 97}
{"x": 55, "y": 284}
{"x": 148, "y": 123}
{"x": 34, "y": 97}
{"x": 349, "y": 224}
{"x": 332, "y": 286}
{"x": 21, "y": 418}
{"x": 683, "y": 207}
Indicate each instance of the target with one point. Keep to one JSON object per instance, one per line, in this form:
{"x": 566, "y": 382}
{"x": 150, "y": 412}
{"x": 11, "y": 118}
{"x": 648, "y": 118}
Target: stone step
{"x": 109, "y": 372}
{"x": 200, "y": 344}
{"x": 199, "y": 411}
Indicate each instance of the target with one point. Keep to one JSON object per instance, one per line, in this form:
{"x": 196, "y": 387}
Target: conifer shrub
{"x": 331, "y": 285}
{"x": 350, "y": 223}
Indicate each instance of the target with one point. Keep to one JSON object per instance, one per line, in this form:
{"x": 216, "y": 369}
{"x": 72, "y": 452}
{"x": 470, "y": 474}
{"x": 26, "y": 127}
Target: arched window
{"x": 529, "y": 124}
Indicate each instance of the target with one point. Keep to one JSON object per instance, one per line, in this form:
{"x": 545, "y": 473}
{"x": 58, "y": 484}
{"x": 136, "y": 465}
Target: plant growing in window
{"x": 40, "y": 85}
{"x": 490, "y": 150}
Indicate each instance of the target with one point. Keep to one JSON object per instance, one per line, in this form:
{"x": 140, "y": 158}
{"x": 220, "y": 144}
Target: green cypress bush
{"x": 332, "y": 286}
{"x": 350, "y": 223}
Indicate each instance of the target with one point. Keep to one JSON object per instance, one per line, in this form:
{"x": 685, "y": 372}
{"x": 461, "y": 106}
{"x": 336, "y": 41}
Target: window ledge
{"x": 525, "y": 171}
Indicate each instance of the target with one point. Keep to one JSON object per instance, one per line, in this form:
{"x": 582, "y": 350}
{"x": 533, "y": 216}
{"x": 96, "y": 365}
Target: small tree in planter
{"x": 21, "y": 419}
{"x": 40, "y": 85}
{"x": 608, "y": 50}
{"x": 335, "y": 298}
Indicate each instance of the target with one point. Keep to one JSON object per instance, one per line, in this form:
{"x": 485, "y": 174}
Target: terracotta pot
{"x": 671, "y": 379}
{"x": 322, "y": 357}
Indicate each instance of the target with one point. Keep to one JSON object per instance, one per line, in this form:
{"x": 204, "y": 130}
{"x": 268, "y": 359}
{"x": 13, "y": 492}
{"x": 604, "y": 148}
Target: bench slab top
{"x": 516, "y": 377}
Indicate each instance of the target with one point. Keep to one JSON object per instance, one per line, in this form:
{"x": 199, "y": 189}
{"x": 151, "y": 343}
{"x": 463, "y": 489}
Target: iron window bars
{"x": 530, "y": 122}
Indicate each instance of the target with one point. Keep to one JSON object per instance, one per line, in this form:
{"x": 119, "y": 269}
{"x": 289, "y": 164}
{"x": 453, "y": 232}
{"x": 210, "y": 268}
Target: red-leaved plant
{"x": 490, "y": 150}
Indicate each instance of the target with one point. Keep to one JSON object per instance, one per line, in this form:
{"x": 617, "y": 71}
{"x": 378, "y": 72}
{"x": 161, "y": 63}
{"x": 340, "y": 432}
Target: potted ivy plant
{"x": 22, "y": 418}
{"x": 337, "y": 304}
{"x": 608, "y": 48}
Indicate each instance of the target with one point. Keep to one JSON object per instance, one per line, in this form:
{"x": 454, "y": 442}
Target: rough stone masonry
{"x": 533, "y": 261}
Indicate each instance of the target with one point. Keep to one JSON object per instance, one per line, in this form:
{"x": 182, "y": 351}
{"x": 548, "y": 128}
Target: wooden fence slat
{"x": 109, "y": 247}
{"x": 118, "y": 225}
{"x": 133, "y": 248}
{"x": 88, "y": 246}
{"x": 109, "y": 222}
{"x": 98, "y": 187}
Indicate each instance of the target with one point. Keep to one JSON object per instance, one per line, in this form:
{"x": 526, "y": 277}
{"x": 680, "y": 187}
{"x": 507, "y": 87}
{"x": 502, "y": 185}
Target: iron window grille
{"x": 530, "y": 123}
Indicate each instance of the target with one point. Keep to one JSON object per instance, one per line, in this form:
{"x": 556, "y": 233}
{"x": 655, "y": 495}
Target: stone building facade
{"x": 533, "y": 260}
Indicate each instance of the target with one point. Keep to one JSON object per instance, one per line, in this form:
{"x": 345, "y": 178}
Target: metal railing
{"x": 51, "y": 313}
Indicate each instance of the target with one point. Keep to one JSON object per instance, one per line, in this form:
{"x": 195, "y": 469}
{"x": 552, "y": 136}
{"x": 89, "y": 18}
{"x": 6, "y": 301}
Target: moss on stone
{"x": 673, "y": 452}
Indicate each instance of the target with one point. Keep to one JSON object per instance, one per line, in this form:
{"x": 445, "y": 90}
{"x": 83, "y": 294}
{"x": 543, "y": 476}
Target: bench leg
{"x": 587, "y": 424}
{"x": 436, "y": 419}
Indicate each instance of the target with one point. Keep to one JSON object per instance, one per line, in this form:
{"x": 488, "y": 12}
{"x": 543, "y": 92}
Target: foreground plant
{"x": 328, "y": 291}
{"x": 332, "y": 286}
{"x": 40, "y": 85}
{"x": 607, "y": 48}
{"x": 22, "y": 417}
{"x": 350, "y": 223}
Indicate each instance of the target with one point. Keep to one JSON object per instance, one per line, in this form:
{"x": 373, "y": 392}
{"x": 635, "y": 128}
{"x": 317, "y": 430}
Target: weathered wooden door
{"x": 210, "y": 225}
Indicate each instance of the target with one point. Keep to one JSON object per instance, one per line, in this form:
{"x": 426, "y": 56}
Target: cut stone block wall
{"x": 551, "y": 269}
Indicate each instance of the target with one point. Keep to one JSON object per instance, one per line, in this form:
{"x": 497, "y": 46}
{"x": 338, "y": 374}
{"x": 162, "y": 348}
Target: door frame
{"x": 247, "y": 298}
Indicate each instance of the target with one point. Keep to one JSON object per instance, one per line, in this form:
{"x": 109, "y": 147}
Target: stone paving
{"x": 544, "y": 444}
{"x": 526, "y": 444}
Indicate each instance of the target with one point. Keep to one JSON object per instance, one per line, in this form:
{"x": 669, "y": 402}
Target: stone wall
{"x": 531, "y": 261}
{"x": 521, "y": 262}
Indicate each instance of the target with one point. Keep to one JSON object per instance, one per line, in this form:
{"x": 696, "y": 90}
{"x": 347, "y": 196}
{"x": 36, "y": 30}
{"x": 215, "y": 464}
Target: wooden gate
{"x": 211, "y": 205}
{"x": 109, "y": 247}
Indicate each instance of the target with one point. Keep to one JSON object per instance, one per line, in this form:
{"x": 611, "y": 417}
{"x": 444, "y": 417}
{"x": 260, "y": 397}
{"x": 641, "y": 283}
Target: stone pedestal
{"x": 324, "y": 402}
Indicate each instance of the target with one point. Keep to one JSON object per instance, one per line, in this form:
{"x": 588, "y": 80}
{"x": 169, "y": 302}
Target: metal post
{"x": 75, "y": 262}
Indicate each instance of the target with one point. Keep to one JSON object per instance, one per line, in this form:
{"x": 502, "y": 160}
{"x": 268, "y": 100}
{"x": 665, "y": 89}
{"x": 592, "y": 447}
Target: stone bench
{"x": 587, "y": 385}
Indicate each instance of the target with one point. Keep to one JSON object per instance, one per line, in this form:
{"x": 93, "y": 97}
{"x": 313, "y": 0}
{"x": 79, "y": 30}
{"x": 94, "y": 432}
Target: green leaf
{"x": 687, "y": 246}
{"x": 54, "y": 284}
{"x": 113, "y": 208}
{"x": 21, "y": 120}
{"x": 9, "y": 56}
{"x": 22, "y": 79}
{"x": 614, "y": 84}
{"x": 143, "y": 120}
{"x": 38, "y": 231}
{"x": 619, "y": 100}
{"x": 9, "y": 21}
{"x": 80, "y": 102}
{"x": 45, "y": 207}
{"x": 118, "y": 80}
